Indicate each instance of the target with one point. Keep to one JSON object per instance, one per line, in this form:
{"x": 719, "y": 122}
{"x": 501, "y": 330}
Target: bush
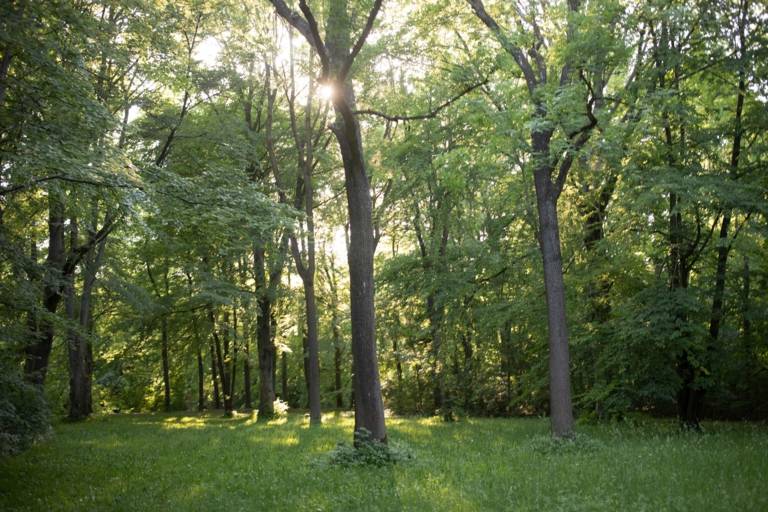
{"x": 577, "y": 443}
{"x": 24, "y": 413}
{"x": 368, "y": 452}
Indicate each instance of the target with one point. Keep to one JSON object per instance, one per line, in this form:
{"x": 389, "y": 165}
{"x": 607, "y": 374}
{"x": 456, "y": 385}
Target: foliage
{"x": 24, "y": 413}
{"x": 368, "y": 452}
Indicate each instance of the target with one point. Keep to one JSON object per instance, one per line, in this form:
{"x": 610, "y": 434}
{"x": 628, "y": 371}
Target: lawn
{"x": 189, "y": 462}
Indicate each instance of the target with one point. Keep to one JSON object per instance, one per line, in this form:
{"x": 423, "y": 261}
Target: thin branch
{"x": 360, "y": 41}
{"x": 429, "y": 115}
{"x": 515, "y": 51}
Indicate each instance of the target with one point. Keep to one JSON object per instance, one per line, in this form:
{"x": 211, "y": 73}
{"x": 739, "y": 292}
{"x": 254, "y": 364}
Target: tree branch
{"x": 360, "y": 41}
{"x": 515, "y": 51}
{"x": 429, "y": 115}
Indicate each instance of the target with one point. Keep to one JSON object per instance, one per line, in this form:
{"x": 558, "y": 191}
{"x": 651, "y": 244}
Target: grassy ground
{"x": 206, "y": 463}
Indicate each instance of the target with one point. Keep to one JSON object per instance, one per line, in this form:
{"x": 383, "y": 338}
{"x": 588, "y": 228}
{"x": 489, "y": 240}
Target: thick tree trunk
{"x": 560, "y": 405}
{"x": 369, "y": 408}
{"x": 267, "y": 352}
{"x": 38, "y": 350}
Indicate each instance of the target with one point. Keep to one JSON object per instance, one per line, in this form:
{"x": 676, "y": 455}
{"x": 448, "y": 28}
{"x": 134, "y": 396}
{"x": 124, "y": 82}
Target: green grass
{"x": 207, "y": 463}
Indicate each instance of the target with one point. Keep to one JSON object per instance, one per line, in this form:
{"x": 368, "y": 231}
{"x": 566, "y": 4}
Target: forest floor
{"x": 208, "y": 463}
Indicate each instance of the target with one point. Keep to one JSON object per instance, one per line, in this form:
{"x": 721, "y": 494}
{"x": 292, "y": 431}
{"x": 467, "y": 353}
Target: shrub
{"x": 24, "y": 413}
{"x": 368, "y": 452}
{"x": 577, "y": 443}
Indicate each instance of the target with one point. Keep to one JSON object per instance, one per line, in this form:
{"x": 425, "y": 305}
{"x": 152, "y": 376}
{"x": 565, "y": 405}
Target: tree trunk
{"x": 594, "y": 233}
{"x": 313, "y": 362}
{"x": 369, "y": 408}
{"x": 200, "y": 381}
{"x": 438, "y": 378}
{"x": 80, "y": 354}
{"x": 233, "y": 366}
{"x": 166, "y": 369}
{"x": 338, "y": 391}
{"x": 38, "y": 350}
{"x": 214, "y": 376}
{"x": 746, "y": 323}
{"x": 284, "y": 376}
{"x": 220, "y": 363}
{"x": 718, "y": 296}
{"x": 247, "y": 393}
{"x": 560, "y": 405}
{"x": 267, "y": 352}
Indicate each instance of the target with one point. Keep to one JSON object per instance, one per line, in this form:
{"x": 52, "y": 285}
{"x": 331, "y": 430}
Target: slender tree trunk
{"x": 200, "y": 381}
{"x": 284, "y": 376}
{"x": 214, "y": 377}
{"x": 233, "y": 369}
{"x": 438, "y": 382}
{"x": 166, "y": 369}
{"x": 315, "y": 417}
{"x": 718, "y": 296}
{"x": 338, "y": 391}
{"x": 305, "y": 365}
{"x": 594, "y": 233}
{"x": 80, "y": 353}
{"x": 746, "y": 323}
{"x": 247, "y": 393}
{"x": 221, "y": 366}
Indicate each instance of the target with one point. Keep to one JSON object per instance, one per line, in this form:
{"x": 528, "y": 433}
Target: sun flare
{"x": 325, "y": 92}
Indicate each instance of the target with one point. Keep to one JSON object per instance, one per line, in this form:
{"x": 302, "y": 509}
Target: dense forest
{"x": 443, "y": 207}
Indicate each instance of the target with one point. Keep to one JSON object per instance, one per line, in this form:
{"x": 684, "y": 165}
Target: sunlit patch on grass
{"x": 280, "y": 420}
{"x": 184, "y": 422}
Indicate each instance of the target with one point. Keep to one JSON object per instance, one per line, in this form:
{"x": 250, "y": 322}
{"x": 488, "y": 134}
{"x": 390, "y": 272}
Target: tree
{"x": 552, "y": 163}
{"x": 337, "y": 57}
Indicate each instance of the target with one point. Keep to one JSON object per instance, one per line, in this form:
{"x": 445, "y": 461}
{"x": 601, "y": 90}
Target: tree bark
{"x": 79, "y": 348}
{"x": 220, "y": 363}
{"x": 214, "y": 376}
{"x": 200, "y": 380}
{"x": 247, "y": 392}
{"x": 166, "y": 364}
{"x": 267, "y": 354}
{"x": 38, "y": 350}
{"x": 284, "y": 376}
{"x": 560, "y": 404}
